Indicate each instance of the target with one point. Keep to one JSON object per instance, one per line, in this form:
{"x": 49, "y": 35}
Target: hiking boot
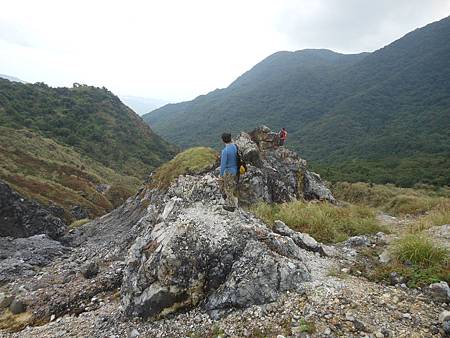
{"x": 227, "y": 208}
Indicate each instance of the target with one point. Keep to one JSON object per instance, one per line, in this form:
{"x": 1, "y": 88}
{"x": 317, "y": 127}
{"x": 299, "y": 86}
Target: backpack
{"x": 241, "y": 165}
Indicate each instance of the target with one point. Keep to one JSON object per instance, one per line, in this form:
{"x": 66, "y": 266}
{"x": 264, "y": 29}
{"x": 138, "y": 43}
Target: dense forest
{"x": 379, "y": 117}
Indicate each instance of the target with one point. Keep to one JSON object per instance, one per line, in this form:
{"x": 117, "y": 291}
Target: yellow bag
{"x": 242, "y": 170}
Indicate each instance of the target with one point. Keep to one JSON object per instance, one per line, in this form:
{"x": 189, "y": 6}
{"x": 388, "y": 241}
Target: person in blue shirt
{"x": 228, "y": 172}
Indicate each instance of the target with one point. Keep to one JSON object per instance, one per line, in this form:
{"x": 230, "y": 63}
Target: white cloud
{"x": 177, "y": 50}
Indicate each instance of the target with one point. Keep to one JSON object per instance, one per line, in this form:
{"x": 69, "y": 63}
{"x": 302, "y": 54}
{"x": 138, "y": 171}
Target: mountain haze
{"x": 381, "y": 116}
{"x": 142, "y": 105}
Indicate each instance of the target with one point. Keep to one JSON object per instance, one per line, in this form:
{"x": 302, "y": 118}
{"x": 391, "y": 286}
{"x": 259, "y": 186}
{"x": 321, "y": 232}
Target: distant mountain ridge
{"x": 142, "y": 105}
{"x": 381, "y": 116}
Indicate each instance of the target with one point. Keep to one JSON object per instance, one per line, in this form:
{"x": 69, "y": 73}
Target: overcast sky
{"x": 177, "y": 50}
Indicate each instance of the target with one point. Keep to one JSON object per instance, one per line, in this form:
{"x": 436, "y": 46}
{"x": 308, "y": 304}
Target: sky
{"x": 176, "y": 50}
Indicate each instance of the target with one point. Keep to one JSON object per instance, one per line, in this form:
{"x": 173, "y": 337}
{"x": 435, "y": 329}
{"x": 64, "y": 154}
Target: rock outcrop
{"x": 21, "y": 217}
{"x": 190, "y": 252}
{"x": 276, "y": 174}
{"x": 195, "y": 253}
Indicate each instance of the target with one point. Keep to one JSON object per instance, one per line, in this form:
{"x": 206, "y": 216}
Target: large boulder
{"x": 21, "y": 217}
{"x": 276, "y": 174}
{"x": 194, "y": 252}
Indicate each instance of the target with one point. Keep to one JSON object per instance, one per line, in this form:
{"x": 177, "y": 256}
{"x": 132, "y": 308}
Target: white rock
{"x": 444, "y": 316}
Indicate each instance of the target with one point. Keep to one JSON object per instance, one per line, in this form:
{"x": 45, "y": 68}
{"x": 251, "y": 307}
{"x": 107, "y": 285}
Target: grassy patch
{"x": 13, "y": 323}
{"x": 306, "y": 326}
{"x": 410, "y": 204}
{"x": 438, "y": 216}
{"x": 192, "y": 161}
{"x": 420, "y": 251}
{"x": 392, "y": 199}
{"x": 323, "y": 221}
{"x": 79, "y": 223}
{"x": 418, "y": 260}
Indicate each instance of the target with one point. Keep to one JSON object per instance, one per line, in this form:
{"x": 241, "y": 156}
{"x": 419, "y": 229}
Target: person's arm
{"x": 223, "y": 162}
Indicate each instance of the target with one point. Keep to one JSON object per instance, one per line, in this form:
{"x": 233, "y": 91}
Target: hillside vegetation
{"x": 77, "y": 146}
{"x": 91, "y": 120}
{"x": 42, "y": 169}
{"x": 382, "y": 117}
{"x": 191, "y": 161}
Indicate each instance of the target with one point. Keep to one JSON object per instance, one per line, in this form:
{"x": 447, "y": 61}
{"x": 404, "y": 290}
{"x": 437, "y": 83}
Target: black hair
{"x": 226, "y": 137}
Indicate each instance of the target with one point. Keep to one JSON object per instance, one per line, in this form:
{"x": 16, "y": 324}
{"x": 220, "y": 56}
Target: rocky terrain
{"x": 173, "y": 263}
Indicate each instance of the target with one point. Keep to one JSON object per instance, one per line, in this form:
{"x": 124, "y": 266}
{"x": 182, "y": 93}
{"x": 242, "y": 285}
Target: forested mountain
{"x": 77, "y": 146}
{"x": 381, "y": 116}
{"x": 92, "y": 120}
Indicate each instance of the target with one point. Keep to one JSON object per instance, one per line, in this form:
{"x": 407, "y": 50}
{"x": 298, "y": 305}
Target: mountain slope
{"x": 44, "y": 170}
{"x": 364, "y": 117}
{"x": 74, "y": 147}
{"x": 92, "y": 120}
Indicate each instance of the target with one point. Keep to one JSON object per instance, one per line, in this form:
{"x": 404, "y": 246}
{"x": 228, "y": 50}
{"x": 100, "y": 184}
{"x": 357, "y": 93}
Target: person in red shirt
{"x": 283, "y": 136}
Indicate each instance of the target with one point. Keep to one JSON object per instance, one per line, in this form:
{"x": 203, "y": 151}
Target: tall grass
{"x": 392, "y": 199}
{"x": 439, "y": 215}
{"x": 430, "y": 205}
{"x": 419, "y": 250}
{"x": 323, "y": 221}
{"x": 419, "y": 260}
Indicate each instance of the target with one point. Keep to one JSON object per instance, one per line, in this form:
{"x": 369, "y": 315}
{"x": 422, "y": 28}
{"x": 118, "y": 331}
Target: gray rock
{"x": 90, "y": 270}
{"x": 276, "y": 174}
{"x": 440, "y": 292}
{"x": 17, "y": 306}
{"x": 303, "y": 240}
{"x": 444, "y": 319}
{"x": 315, "y": 188}
{"x": 396, "y": 278}
{"x": 357, "y": 241}
{"x": 20, "y": 256}
{"x": 102, "y": 188}
{"x": 78, "y": 212}
{"x": 444, "y": 316}
{"x": 197, "y": 254}
{"x": 385, "y": 256}
{"x": 23, "y": 218}
{"x": 359, "y": 325}
{"x": 5, "y": 300}
{"x": 134, "y": 333}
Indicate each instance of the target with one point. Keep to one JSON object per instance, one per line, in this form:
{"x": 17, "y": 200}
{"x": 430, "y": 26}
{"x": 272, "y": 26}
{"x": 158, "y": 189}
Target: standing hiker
{"x": 283, "y": 136}
{"x": 229, "y": 172}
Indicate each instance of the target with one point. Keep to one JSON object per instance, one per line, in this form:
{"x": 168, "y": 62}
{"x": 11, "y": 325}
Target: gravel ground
{"x": 344, "y": 306}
